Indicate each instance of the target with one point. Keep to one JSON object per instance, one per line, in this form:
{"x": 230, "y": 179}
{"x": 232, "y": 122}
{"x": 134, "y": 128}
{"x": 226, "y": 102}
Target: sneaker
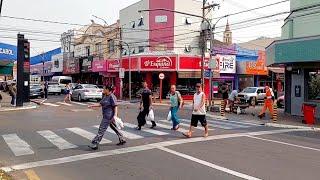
{"x": 122, "y": 142}
{"x": 93, "y": 146}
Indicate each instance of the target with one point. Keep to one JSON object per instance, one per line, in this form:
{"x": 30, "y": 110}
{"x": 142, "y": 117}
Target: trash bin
{"x": 309, "y": 111}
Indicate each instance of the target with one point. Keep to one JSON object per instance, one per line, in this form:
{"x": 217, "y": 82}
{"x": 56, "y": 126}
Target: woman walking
{"x": 109, "y": 113}
{"x": 176, "y": 103}
{"x": 68, "y": 92}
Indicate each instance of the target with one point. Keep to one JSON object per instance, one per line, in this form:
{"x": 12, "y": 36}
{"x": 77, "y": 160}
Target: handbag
{"x": 150, "y": 116}
{"x": 169, "y": 116}
{"x": 118, "y": 123}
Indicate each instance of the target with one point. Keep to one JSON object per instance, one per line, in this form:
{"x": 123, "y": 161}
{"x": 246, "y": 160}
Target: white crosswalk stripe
{"x": 188, "y": 124}
{"x": 169, "y": 127}
{"x": 86, "y": 134}
{"x": 56, "y": 140}
{"x": 79, "y": 103}
{"x": 125, "y": 133}
{"x": 152, "y": 131}
{"x": 18, "y": 146}
{"x": 50, "y": 104}
{"x": 227, "y": 124}
{"x": 63, "y": 103}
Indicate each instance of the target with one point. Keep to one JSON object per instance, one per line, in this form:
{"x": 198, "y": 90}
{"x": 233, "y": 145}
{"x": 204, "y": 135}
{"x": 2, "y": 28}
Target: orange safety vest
{"x": 268, "y": 95}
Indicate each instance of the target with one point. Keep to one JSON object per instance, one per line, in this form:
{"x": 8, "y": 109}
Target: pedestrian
{"x": 232, "y": 98}
{"x": 145, "y": 106}
{"x": 268, "y": 103}
{"x": 225, "y": 94}
{"x": 45, "y": 89}
{"x": 13, "y": 93}
{"x": 109, "y": 113}
{"x": 198, "y": 112}
{"x": 68, "y": 91}
{"x": 176, "y": 102}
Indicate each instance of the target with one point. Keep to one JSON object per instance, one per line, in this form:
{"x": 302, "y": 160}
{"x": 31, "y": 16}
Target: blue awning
{"x": 246, "y": 54}
{"x": 44, "y": 57}
{"x": 8, "y": 52}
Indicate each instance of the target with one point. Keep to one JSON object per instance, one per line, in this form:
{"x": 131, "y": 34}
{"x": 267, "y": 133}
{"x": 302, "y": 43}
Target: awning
{"x": 277, "y": 70}
{"x": 246, "y": 54}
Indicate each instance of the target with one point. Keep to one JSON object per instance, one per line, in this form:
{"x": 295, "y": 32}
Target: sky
{"x": 81, "y": 11}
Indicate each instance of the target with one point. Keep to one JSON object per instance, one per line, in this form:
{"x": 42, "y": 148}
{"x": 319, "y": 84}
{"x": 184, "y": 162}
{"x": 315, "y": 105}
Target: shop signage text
{"x": 227, "y": 63}
{"x": 6, "y": 51}
{"x": 162, "y": 62}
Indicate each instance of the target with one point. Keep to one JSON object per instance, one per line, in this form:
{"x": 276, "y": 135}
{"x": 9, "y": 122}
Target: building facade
{"x": 8, "y": 55}
{"x": 299, "y": 52}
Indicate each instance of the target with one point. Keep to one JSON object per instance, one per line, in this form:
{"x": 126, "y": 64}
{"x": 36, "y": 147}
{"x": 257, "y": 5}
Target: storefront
{"x": 8, "y": 54}
{"x": 57, "y": 64}
{"x": 71, "y": 67}
{"x": 43, "y": 70}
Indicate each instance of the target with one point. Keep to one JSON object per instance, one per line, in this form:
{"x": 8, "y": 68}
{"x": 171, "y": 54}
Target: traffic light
{"x": 26, "y": 50}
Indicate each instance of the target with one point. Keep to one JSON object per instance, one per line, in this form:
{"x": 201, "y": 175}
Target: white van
{"x": 62, "y": 81}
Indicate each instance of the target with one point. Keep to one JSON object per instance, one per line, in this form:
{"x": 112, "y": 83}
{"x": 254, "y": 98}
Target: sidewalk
{"x": 6, "y": 106}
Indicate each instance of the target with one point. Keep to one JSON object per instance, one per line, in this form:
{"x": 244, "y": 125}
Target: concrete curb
{"x": 18, "y": 108}
{"x": 287, "y": 126}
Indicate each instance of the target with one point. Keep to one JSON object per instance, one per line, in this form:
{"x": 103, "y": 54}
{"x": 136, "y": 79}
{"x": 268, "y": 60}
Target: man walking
{"x": 13, "y": 93}
{"x": 45, "y": 89}
{"x": 145, "y": 105}
{"x": 268, "y": 103}
{"x": 199, "y": 112}
{"x": 176, "y": 103}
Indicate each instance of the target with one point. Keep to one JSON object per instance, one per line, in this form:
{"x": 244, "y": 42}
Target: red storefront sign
{"x": 99, "y": 66}
{"x": 156, "y": 63}
{"x": 191, "y": 63}
{"x": 134, "y": 63}
{"x": 113, "y": 65}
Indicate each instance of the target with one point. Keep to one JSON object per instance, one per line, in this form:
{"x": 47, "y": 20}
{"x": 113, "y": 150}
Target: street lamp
{"x": 211, "y": 28}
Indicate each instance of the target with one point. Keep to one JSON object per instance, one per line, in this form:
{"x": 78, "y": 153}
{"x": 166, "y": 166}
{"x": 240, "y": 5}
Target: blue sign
{"x": 8, "y": 52}
{"x": 207, "y": 73}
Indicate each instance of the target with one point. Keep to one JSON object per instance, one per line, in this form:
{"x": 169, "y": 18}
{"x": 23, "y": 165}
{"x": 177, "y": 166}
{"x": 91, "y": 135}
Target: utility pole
{"x": 204, "y": 41}
{"x": 120, "y": 56}
{"x": 1, "y": 1}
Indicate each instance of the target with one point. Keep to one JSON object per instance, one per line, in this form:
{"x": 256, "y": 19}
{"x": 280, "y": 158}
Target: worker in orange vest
{"x": 268, "y": 103}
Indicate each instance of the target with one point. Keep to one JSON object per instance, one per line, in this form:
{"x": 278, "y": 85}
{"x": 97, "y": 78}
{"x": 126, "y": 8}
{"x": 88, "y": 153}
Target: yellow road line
{"x": 31, "y": 175}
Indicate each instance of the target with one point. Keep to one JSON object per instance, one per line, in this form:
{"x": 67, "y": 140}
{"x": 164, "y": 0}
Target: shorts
{"x": 195, "y": 118}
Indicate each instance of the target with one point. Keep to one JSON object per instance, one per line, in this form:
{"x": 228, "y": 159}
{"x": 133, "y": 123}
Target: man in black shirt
{"x": 145, "y": 106}
{"x": 225, "y": 94}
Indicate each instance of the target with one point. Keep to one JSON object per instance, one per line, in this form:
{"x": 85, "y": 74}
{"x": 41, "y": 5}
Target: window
{"x": 133, "y": 24}
{"x": 124, "y": 52}
{"x": 141, "y": 22}
{"x": 313, "y": 80}
{"x": 99, "y": 48}
{"x": 133, "y": 50}
{"x": 141, "y": 49}
{"x": 111, "y": 45}
{"x": 188, "y": 21}
{"x": 88, "y": 50}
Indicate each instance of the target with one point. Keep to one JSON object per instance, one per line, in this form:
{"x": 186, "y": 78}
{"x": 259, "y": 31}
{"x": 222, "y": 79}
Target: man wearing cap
{"x": 268, "y": 103}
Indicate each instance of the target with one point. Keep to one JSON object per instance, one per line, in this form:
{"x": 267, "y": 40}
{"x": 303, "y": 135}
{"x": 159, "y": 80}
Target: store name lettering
{"x": 227, "y": 63}
{"x": 159, "y": 63}
{"x": 6, "y": 51}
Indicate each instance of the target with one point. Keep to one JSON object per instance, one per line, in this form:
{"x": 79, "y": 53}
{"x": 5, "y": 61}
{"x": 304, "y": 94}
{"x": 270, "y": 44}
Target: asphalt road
{"x": 51, "y": 141}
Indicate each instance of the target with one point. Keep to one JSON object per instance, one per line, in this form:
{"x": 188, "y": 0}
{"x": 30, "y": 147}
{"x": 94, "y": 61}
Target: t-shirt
{"x": 108, "y": 104}
{"x": 225, "y": 94}
{"x": 174, "y": 99}
{"x": 146, "y": 93}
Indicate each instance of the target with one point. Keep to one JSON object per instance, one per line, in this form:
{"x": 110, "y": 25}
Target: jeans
{"x": 13, "y": 100}
{"x": 102, "y": 129}
{"x": 174, "y": 116}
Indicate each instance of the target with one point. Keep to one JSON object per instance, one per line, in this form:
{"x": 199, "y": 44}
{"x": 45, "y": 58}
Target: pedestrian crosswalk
{"x": 63, "y": 139}
{"x": 74, "y": 103}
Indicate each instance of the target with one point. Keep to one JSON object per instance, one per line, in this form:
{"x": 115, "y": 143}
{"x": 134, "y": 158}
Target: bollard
{"x": 222, "y": 113}
{"x": 275, "y": 113}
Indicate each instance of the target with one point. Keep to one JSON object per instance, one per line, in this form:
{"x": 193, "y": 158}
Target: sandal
{"x": 188, "y": 135}
{"x": 206, "y": 135}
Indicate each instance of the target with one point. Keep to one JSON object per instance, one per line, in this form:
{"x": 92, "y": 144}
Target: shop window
{"x": 313, "y": 80}
{"x": 141, "y": 49}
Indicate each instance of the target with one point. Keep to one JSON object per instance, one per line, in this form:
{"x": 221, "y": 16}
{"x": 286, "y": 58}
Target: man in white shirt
{"x": 199, "y": 112}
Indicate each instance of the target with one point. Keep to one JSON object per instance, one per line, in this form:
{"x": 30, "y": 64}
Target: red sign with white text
{"x": 162, "y": 63}
{"x": 192, "y": 63}
{"x": 134, "y": 63}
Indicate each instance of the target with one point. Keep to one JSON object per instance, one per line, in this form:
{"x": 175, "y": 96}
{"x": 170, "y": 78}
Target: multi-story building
{"x": 299, "y": 52}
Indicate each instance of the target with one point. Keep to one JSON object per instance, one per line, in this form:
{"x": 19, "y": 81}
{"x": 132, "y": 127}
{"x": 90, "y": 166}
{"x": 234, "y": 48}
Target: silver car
{"x": 85, "y": 92}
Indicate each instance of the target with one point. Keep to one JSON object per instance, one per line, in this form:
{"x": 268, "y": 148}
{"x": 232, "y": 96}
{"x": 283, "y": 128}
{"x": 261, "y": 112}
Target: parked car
{"x": 253, "y": 95}
{"x": 280, "y": 101}
{"x": 36, "y": 91}
{"x": 54, "y": 88}
{"x": 62, "y": 81}
{"x": 85, "y": 92}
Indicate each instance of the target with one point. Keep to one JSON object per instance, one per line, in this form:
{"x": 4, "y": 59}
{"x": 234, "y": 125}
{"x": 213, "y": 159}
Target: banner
{"x": 158, "y": 63}
{"x": 57, "y": 63}
{"x": 257, "y": 67}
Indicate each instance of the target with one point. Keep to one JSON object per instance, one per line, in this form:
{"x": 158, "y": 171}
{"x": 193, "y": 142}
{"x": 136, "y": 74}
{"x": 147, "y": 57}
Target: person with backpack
{"x": 176, "y": 102}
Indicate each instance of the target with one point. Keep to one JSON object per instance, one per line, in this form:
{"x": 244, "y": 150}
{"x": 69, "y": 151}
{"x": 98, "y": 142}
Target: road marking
{"x": 188, "y": 121}
{"x": 170, "y": 126}
{"x": 152, "y": 131}
{"x": 227, "y": 125}
{"x": 63, "y": 103}
{"x": 78, "y": 103}
{"x": 32, "y": 175}
{"x": 56, "y": 140}
{"x": 211, "y": 165}
{"x": 86, "y": 134}
{"x": 81, "y": 110}
{"x": 239, "y": 122}
{"x": 93, "y": 155}
{"x": 284, "y": 143}
{"x": 50, "y": 104}
{"x": 125, "y": 133}
{"x": 18, "y": 146}
{"x": 94, "y": 103}
{"x": 216, "y": 117}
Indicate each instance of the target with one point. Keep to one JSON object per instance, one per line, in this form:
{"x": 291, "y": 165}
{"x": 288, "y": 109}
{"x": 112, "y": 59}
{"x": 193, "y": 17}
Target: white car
{"x": 86, "y": 91}
{"x": 253, "y": 95}
{"x": 54, "y": 89}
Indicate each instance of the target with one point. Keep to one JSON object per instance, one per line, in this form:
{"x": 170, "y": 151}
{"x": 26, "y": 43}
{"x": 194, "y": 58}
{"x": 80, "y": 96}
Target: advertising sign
{"x": 227, "y": 63}
{"x": 57, "y": 63}
{"x": 257, "y": 67}
{"x": 113, "y": 65}
{"x": 8, "y": 52}
{"x": 158, "y": 63}
{"x": 192, "y": 63}
{"x": 99, "y": 65}
{"x": 70, "y": 64}
{"x": 87, "y": 64}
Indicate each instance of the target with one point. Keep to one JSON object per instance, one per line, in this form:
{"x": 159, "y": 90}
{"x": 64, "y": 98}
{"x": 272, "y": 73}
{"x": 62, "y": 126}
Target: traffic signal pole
{"x": 23, "y": 71}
